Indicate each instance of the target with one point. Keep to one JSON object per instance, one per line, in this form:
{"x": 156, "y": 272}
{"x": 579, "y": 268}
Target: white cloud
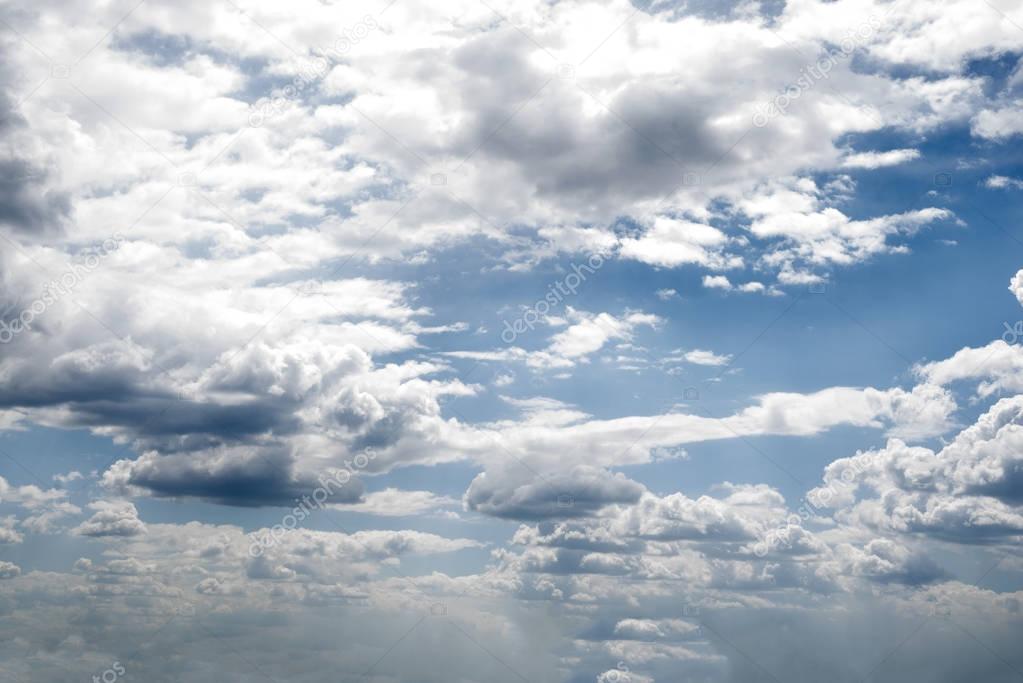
{"x": 1001, "y": 182}
{"x": 267, "y": 326}
{"x": 872, "y": 160}
{"x": 998, "y": 124}
{"x": 670, "y": 243}
{"x": 716, "y": 282}
{"x": 7, "y": 532}
{"x": 392, "y": 502}
{"x": 112, "y": 518}
{"x": 815, "y": 234}
{"x": 587, "y": 334}
{"x": 704, "y": 357}
{"x": 722, "y": 282}
{"x": 999, "y": 364}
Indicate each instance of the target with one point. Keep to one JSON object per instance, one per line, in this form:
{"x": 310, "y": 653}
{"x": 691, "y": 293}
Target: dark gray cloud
{"x": 27, "y": 204}
{"x": 240, "y": 475}
{"x": 579, "y": 493}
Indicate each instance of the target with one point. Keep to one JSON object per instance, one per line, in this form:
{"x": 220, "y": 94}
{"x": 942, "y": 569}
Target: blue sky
{"x": 774, "y": 433}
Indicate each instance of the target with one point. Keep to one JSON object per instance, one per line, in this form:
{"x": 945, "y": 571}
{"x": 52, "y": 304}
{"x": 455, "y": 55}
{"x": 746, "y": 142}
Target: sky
{"x": 511, "y": 340}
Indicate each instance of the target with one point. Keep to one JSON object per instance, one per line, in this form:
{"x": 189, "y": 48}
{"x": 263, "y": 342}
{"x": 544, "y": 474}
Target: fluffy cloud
{"x": 999, "y": 365}
{"x": 7, "y": 532}
{"x": 969, "y": 491}
{"x": 815, "y": 234}
{"x": 998, "y": 123}
{"x": 671, "y": 243}
{"x": 261, "y": 323}
{"x": 579, "y": 492}
{"x": 999, "y": 182}
{"x": 112, "y": 518}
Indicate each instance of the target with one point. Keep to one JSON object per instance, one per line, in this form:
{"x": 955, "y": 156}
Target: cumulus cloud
{"x": 999, "y": 366}
{"x": 671, "y": 243}
{"x": 1001, "y": 182}
{"x": 998, "y": 124}
{"x": 969, "y": 491}
{"x": 8, "y": 534}
{"x": 577, "y": 493}
{"x": 112, "y": 518}
{"x": 263, "y": 324}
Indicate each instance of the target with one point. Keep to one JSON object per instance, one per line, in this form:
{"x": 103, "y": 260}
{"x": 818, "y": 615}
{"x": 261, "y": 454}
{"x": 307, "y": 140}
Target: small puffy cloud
{"x": 588, "y": 334}
{"x": 671, "y": 242}
{"x": 998, "y": 124}
{"x": 722, "y": 282}
{"x": 704, "y": 357}
{"x": 504, "y": 379}
{"x": 65, "y": 479}
{"x": 872, "y": 160}
{"x": 9, "y": 570}
{"x": 717, "y": 282}
{"x": 8, "y": 534}
{"x": 1001, "y": 182}
{"x": 112, "y": 518}
{"x": 654, "y": 629}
